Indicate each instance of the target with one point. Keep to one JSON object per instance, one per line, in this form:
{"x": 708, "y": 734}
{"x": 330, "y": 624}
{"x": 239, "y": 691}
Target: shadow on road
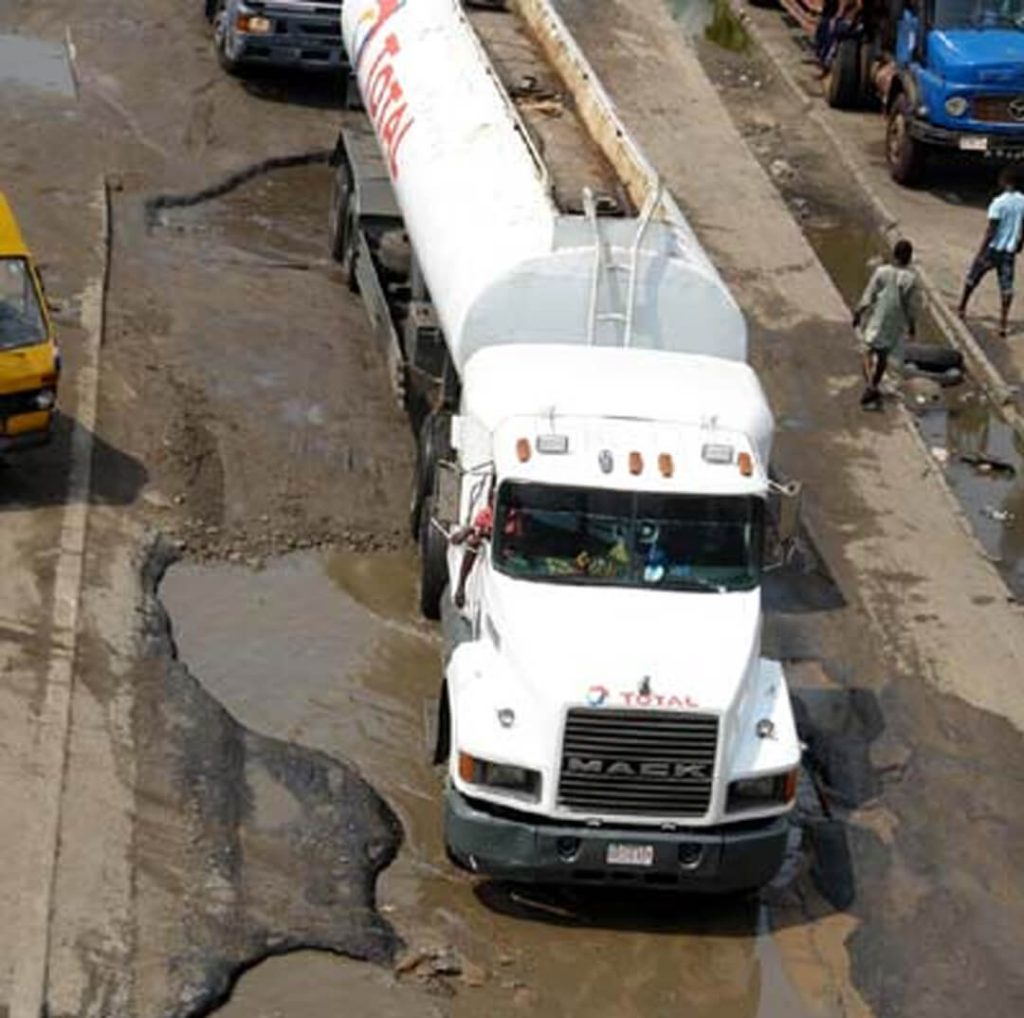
{"x": 39, "y": 477}
{"x": 325, "y": 91}
{"x": 639, "y": 910}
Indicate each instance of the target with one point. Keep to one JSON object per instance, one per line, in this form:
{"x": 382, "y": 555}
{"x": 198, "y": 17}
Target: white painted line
{"x": 28, "y": 996}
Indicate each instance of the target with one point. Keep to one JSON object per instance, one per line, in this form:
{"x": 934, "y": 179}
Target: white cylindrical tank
{"x": 502, "y": 263}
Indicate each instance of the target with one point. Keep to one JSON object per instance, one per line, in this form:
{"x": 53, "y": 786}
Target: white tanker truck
{"x": 577, "y": 370}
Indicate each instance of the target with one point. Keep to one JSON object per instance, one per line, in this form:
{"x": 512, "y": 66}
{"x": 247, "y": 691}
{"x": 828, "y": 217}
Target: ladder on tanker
{"x": 606, "y": 270}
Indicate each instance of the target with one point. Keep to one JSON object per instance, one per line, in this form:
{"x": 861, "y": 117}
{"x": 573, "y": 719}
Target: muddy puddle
{"x": 981, "y": 456}
{"x": 275, "y": 219}
{"x": 326, "y": 650}
{"x": 36, "y": 65}
{"x": 713, "y": 20}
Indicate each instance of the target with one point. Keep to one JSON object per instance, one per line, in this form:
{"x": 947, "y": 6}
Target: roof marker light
{"x": 553, "y": 444}
{"x": 665, "y": 464}
{"x": 636, "y": 463}
{"x": 717, "y": 453}
{"x": 605, "y": 461}
{"x": 746, "y": 463}
{"x": 523, "y": 449}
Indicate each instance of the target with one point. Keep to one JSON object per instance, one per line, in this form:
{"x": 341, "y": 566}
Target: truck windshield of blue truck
{"x": 979, "y": 14}
{"x": 628, "y": 539}
{"x": 21, "y": 316}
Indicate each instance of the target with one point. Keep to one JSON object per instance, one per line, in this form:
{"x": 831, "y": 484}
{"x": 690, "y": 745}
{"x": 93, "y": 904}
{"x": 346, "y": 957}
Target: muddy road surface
{"x": 215, "y": 689}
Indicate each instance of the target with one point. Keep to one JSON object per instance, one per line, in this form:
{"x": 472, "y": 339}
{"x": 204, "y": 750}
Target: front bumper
{"x": 720, "y": 860}
{"x": 288, "y": 49}
{"x": 27, "y": 440}
{"x": 979, "y": 143}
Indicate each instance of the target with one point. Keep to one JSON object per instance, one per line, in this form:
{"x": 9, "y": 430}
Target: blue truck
{"x": 948, "y": 74}
{"x": 300, "y": 34}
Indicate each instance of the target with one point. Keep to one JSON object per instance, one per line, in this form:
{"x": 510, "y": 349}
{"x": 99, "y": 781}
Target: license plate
{"x": 974, "y": 144}
{"x": 630, "y": 855}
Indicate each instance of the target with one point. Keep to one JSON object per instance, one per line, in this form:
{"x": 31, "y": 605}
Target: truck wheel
{"x": 210, "y": 9}
{"x": 842, "y": 82}
{"x": 932, "y": 357}
{"x": 433, "y": 446}
{"x": 904, "y": 154}
{"x": 433, "y": 564}
{"x": 340, "y": 224}
{"x": 220, "y": 40}
{"x": 443, "y": 742}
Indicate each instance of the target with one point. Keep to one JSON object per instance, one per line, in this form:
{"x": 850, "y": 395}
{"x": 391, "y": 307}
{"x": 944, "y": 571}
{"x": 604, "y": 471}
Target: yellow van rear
{"x": 29, "y": 357}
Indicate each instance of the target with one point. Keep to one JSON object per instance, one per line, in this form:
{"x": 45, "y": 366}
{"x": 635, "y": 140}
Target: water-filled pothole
{"x": 35, "y": 64}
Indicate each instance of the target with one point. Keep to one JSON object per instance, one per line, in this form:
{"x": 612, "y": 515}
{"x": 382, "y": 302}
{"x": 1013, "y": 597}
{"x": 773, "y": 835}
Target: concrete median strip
{"x": 54, "y": 718}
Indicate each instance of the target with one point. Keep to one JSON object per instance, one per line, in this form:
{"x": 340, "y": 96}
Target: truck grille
{"x": 656, "y": 763}
{"x": 998, "y": 109}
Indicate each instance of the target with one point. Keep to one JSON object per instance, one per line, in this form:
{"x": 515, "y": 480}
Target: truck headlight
{"x": 956, "y": 106}
{"x": 45, "y": 398}
{"x": 254, "y": 24}
{"x": 758, "y": 793}
{"x": 499, "y": 776}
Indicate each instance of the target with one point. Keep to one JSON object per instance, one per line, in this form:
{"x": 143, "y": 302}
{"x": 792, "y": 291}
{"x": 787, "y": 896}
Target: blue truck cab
{"x": 300, "y": 34}
{"x": 954, "y": 80}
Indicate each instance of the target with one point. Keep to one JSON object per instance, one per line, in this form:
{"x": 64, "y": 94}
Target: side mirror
{"x": 784, "y": 514}
{"x": 790, "y": 499}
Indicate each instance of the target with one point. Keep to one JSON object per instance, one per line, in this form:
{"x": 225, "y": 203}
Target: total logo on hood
{"x": 601, "y": 696}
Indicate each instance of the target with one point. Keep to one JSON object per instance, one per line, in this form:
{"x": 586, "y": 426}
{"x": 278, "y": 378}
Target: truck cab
{"x": 300, "y": 34}
{"x": 29, "y": 357}
{"x": 606, "y": 713}
{"x": 956, "y": 82}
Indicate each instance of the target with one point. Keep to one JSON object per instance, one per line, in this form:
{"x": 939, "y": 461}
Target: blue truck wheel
{"x": 903, "y": 152}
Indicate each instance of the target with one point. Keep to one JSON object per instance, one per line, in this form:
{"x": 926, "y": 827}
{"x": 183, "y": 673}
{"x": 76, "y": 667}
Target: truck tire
{"x": 210, "y": 9}
{"x": 340, "y": 224}
{"x": 842, "y": 81}
{"x": 434, "y": 445}
{"x": 904, "y": 154}
{"x": 933, "y": 358}
{"x": 433, "y": 563}
{"x": 220, "y": 40}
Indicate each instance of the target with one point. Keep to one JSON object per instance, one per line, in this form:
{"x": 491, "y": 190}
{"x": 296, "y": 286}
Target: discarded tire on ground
{"x": 932, "y": 358}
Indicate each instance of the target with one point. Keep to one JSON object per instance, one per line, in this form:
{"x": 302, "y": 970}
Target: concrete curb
{"x": 996, "y": 387}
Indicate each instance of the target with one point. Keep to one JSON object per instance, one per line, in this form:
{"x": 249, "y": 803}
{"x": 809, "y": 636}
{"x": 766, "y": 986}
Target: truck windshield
{"x": 979, "y": 14}
{"x": 21, "y": 316}
{"x": 628, "y": 539}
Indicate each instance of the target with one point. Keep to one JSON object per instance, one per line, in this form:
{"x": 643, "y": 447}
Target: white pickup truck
{"x": 591, "y": 434}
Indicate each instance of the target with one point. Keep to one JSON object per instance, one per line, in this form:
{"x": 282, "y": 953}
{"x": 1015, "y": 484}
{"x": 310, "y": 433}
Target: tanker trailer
{"x": 591, "y": 434}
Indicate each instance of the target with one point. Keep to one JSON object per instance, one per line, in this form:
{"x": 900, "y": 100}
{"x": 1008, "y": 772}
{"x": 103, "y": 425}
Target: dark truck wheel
{"x": 220, "y": 40}
{"x": 843, "y": 79}
{"x": 210, "y": 9}
{"x": 904, "y": 154}
{"x": 433, "y": 446}
{"x": 433, "y": 564}
{"x": 341, "y": 224}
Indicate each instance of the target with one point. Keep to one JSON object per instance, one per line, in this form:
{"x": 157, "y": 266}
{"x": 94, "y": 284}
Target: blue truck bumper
{"x": 976, "y": 143}
{"x": 511, "y": 846}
